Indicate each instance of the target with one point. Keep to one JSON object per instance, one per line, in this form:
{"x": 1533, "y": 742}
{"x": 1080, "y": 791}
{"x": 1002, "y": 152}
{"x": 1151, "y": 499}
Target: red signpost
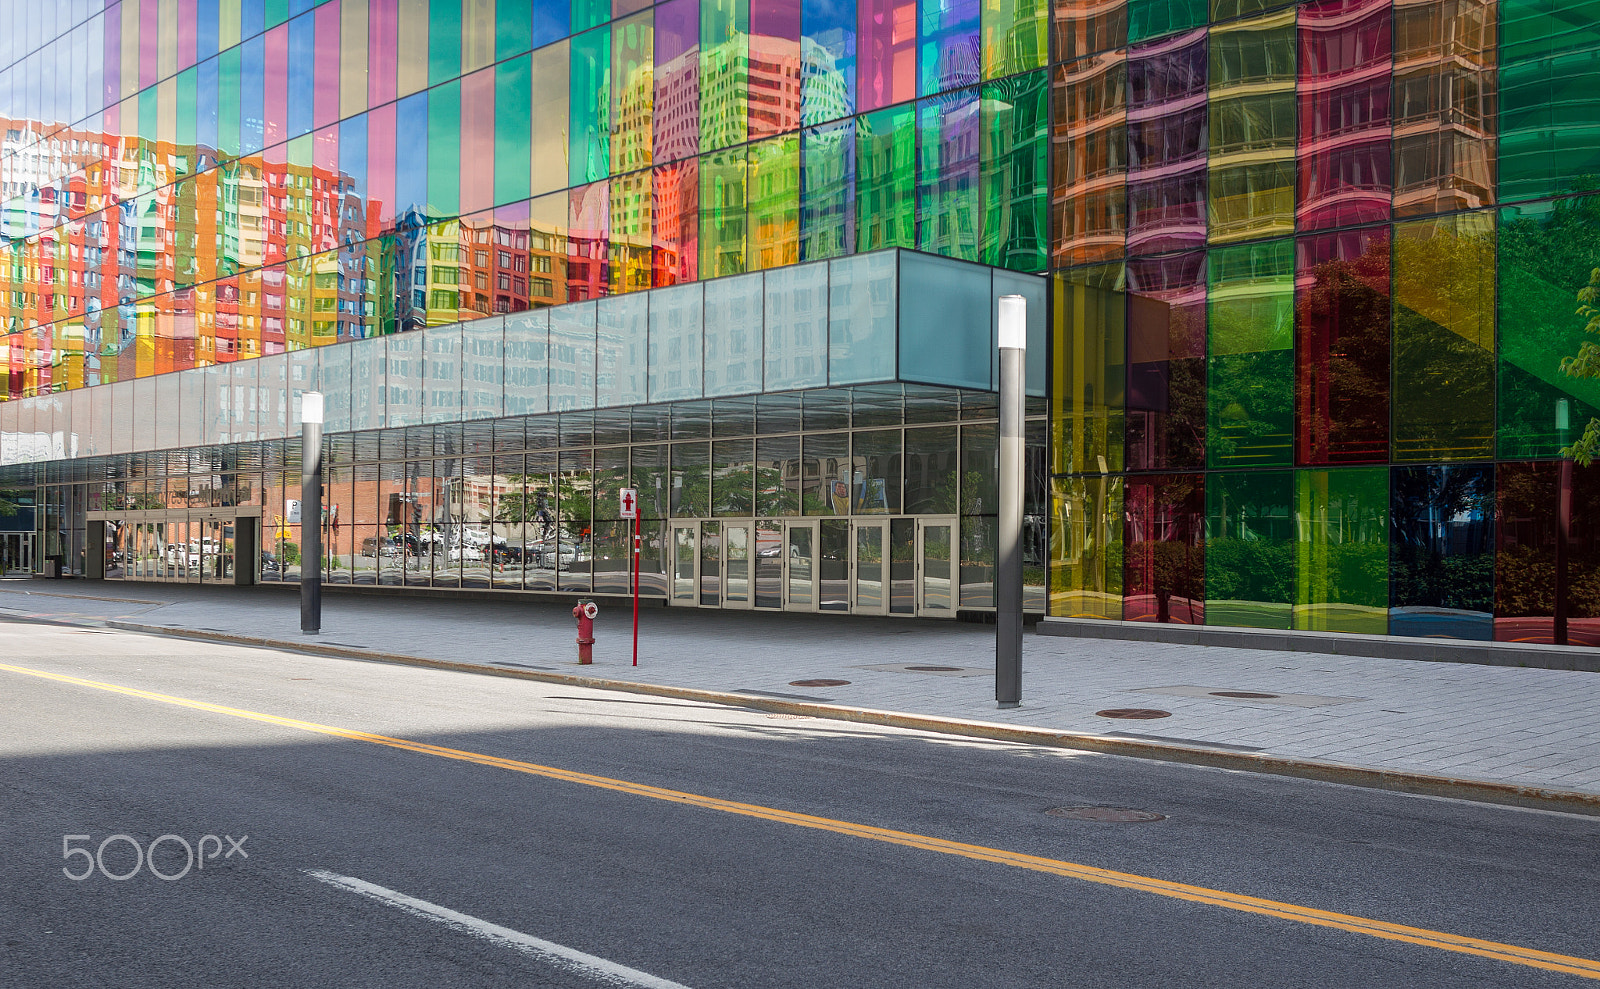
{"x": 630, "y": 510}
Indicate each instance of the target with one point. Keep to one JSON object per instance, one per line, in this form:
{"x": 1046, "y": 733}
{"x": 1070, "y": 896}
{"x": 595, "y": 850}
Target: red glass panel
{"x": 675, "y": 202}
{"x": 1164, "y": 549}
{"x": 1345, "y": 65}
{"x": 886, "y": 52}
{"x": 1342, "y": 319}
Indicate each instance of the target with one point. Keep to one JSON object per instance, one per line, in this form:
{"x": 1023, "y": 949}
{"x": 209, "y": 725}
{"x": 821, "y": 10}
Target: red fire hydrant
{"x": 584, "y": 612}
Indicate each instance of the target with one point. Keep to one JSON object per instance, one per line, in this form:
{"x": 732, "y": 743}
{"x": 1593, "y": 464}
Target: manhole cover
{"x": 1106, "y": 815}
{"x": 1242, "y": 693}
{"x": 818, "y": 683}
{"x": 1134, "y": 713}
{"x": 935, "y": 669}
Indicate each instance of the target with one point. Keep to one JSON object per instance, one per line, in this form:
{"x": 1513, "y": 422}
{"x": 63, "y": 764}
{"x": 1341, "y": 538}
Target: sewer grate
{"x": 1133, "y": 713}
{"x": 1106, "y": 815}
{"x": 935, "y": 669}
{"x": 818, "y": 683}
{"x": 1246, "y": 694}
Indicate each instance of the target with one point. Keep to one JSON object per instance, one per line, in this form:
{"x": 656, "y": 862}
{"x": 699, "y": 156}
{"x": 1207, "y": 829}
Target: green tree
{"x": 1586, "y": 364}
{"x": 8, "y": 504}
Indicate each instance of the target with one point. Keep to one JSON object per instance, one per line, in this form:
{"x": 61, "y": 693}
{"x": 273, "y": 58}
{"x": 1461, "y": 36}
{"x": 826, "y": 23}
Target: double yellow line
{"x": 1549, "y": 961}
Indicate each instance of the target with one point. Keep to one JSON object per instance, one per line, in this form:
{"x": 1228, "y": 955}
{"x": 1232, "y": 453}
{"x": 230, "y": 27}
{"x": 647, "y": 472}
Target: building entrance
{"x": 186, "y": 547}
{"x": 16, "y": 553}
{"x": 867, "y": 566}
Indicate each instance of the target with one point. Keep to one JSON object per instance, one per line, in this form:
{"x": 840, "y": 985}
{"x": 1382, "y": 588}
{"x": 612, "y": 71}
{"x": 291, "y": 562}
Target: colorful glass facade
{"x": 1312, "y": 265}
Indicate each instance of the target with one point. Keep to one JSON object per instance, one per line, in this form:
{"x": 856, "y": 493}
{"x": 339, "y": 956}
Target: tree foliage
{"x": 1586, "y": 364}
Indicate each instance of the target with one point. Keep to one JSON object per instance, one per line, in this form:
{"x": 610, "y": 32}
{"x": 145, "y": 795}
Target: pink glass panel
{"x": 383, "y": 25}
{"x": 886, "y": 52}
{"x": 186, "y": 33}
{"x": 1345, "y": 65}
{"x": 588, "y": 247}
{"x": 276, "y": 104}
{"x": 477, "y": 141}
{"x": 1342, "y": 325}
{"x": 675, "y": 208}
{"x": 326, "y": 102}
{"x": 380, "y": 165}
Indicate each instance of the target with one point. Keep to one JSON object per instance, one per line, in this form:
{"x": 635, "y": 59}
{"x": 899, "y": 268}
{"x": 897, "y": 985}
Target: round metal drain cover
{"x": 1248, "y": 695}
{"x": 935, "y": 669}
{"x": 818, "y": 683}
{"x": 1106, "y": 815}
{"x": 1134, "y": 713}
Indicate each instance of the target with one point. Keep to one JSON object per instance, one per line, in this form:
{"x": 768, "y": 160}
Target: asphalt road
{"x": 706, "y": 849}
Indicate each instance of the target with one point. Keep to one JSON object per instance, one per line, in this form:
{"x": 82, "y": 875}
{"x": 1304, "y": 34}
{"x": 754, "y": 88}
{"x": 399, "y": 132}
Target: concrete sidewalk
{"x": 1510, "y": 735}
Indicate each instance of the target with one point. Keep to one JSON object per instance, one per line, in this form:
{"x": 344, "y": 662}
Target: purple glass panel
{"x": 1167, "y": 144}
{"x": 1166, "y": 425}
{"x": 149, "y": 42}
{"x": 774, "y": 67}
{"x": 951, "y": 53}
{"x": 111, "y": 90}
{"x": 1345, "y": 66}
{"x": 677, "y": 80}
{"x": 1342, "y": 324}
{"x": 276, "y": 106}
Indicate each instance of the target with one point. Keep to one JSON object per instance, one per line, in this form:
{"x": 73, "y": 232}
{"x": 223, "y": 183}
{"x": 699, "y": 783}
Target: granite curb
{"x": 1481, "y": 791}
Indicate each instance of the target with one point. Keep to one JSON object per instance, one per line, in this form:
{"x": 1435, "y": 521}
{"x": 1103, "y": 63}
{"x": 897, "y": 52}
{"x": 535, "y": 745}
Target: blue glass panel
{"x": 828, "y": 53}
{"x": 1037, "y": 292}
{"x": 550, "y": 21}
{"x": 677, "y": 316}
{"x": 621, "y": 340}
{"x": 572, "y": 356}
{"x": 733, "y": 335}
{"x": 527, "y": 362}
{"x": 302, "y": 78}
{"x": 1441, "y": 552}
{"x": 797, "y": 328}
{"x": 945, "y": 319}
{"x": 205, "y": 127}
{"x": 861, "y": 319}
{"x": 252, "y": 95}
{"x": 411, "y": 154}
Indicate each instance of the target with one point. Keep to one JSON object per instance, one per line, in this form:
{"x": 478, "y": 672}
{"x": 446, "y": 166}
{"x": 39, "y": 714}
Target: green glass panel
{"x": 1342, "y": 552}
{"x": 513, "y": 28}
{"x": 444, "y": 40}
{"x": 724, "y": 72}
{"x": 444, "y": 149}
{"x": 1224, "y": 10}
{"x": 1015, "y": 36}
{"x": 947, "y": 175}
{"x": 1547, "y": 252}
{"x": 632, "y": 92}
{"x": 1016, "y": 184}
{"x": 774, "y": 211}
{"x": 1442, "y": 399}
{"x": 228, "y": 102}
{"x": 1549, "y": 98}
{"x": 828, "y": 191}
{"x": 1252, "y": 122}
{"x": 1088, "y": 369}
{"x": 722, "y": 213}
{"x": 1086, "y": 547}
{"x": 1250, "y": 367}
{"x": 513, "y": 129}
{"x": 276, "y": 11}
{"x": 590, "y": 107}
{"x": 589, "y": 13}
{"x": 886, "y": 179}
{"x": 1153, "y": 18}
{"x": 1250, "y": 551}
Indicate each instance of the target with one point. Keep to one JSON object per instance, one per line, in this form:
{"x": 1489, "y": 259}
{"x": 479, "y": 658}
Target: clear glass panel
{"x": 800, "y": 552}
{"x": 710, "y": 564}
{"x": 870, "y": 560}
{"x": 683, "y": 563}
{"x": 737, "y": 575}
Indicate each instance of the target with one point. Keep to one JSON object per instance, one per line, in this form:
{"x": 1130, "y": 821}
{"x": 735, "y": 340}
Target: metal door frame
{"x": 881, "y": 524}
{"x": 925, "y": 522}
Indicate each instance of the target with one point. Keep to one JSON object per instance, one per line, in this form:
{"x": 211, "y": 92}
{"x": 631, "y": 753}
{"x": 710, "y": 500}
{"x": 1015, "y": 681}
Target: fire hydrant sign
{"x": 630, "y": 503}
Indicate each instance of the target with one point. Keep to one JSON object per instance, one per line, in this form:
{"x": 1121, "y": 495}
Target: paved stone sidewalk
{"x": 1523, "y": 727}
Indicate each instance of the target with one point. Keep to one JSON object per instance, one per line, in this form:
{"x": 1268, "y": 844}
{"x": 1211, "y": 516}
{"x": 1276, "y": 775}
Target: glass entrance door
{"x": 769, "y": 564}
{"x": 736, "y": 564}
{"x": 936, "y": 584}
{"x": 710, "y": 564}
{"x": 16, "y": 553}
{"x": 685, "y": 561}
{"x": 869, "y": 567}
{"x": 800, "y": 566}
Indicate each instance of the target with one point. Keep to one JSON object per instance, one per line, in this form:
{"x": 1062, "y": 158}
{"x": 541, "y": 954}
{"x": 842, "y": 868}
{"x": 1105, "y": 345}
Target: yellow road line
{"x": 1549, "y": 961}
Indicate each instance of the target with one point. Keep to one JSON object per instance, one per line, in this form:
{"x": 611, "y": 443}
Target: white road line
{"x": 560, "y": 956}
